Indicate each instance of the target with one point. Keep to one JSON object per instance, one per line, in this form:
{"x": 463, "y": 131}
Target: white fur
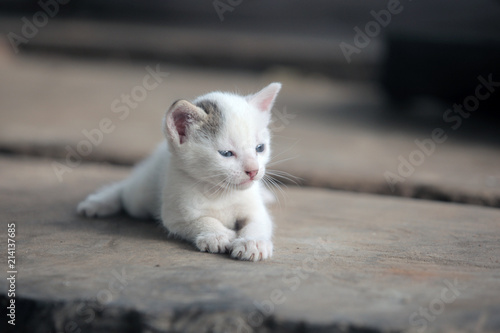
{"x": 199, "y": 195}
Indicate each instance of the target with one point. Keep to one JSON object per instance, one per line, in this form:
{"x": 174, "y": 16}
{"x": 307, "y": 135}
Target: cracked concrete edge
{"x": 410, "y": 189}
{"x": 39, "y": 316}
{"x": 57, "y": 151}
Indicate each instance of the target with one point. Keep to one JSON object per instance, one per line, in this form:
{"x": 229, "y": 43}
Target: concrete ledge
{"x": 338, "y": 134}
{"x": 343, "y": 262}
{"x": 215, "y": 45}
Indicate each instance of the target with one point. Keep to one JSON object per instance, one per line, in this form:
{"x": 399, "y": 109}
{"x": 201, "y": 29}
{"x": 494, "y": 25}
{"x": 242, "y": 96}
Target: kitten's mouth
{"x": 243, "y": 184}
{"x": 247, "y": 183}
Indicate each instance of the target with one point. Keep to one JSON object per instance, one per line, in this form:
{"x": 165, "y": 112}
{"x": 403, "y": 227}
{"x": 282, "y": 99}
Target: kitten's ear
{"x": 179, "y": 118}
{"x": 264, "y": 99}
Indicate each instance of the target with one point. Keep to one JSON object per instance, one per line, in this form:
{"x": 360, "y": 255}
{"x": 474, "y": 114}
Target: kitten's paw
{"x": 215, "y": 242}
{"x": 252, "y": 250}
{"x": 91, "y": 208}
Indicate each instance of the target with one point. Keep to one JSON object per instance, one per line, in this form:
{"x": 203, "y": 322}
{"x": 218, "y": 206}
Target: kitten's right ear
{"x": 179, "y": 119}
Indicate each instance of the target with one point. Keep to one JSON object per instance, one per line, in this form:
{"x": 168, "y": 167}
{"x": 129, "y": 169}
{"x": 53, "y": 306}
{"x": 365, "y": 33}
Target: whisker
{"x": 277, "y": 184}
{"x": 269, "y": 186}
{"x": 284, "y": 175}
{"x": 209, "y": 191}
{"x": 220, "y": 188}
{"x": 210, "y": 177}
{"x": 285, "y": 150}
{"x": 281, "y": 161}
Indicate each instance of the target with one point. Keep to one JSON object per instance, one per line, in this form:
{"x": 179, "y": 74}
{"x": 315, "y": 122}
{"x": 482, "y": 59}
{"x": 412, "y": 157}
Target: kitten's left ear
{"x": 264, "y": 99}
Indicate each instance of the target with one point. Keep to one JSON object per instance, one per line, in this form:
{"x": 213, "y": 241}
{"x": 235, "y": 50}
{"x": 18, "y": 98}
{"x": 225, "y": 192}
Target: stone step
{"x": 343, "y": 262}
{"x": 332, "y": 134}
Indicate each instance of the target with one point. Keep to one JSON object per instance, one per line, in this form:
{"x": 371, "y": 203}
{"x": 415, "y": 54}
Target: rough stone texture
{"x": 337, "y": 134}
{"x": 355, "y": 159}
{"x": 343, "y": 263}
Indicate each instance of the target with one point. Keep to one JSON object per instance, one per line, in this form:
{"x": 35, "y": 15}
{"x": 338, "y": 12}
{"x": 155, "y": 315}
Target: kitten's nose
{"x": 252, "y": 173}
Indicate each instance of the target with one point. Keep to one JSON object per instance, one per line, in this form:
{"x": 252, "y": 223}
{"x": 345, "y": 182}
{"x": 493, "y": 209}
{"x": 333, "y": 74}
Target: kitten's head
{"x": 222, "y": 139}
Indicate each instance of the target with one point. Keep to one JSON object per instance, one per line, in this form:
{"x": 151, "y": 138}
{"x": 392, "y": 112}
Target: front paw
{"x": 252, "y": 250}
{"x": 214, "y": 242}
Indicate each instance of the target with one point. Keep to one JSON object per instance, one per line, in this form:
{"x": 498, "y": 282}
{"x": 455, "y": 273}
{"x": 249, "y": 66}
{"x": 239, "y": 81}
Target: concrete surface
{"x": 335, "y": 134}
{"x": 230, "y": 48}
{"x": 343, "y": 263}
{"x": 251, "y": 34}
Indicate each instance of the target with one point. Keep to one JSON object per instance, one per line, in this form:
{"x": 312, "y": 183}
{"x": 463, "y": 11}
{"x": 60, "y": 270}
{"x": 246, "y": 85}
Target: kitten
{"x": 204, "y": 182}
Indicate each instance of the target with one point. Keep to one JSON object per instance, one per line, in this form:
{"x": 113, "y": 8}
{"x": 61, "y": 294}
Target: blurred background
{"x": 366, "y": 85}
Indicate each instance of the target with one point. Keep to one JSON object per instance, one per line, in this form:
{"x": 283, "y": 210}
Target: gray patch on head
{"x": 212, "y": 125}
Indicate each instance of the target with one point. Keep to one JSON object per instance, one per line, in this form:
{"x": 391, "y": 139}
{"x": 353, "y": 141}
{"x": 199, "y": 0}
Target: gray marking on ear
{"x": 212, "y": 125}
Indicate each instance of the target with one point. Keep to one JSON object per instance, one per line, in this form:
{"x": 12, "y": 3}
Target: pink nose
{"x": 252, "y": 173}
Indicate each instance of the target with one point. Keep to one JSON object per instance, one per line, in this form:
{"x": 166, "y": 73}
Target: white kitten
{"x": 206, "y": 187}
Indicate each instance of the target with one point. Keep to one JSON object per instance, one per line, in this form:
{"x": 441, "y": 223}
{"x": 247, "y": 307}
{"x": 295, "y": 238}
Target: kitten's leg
{"x": 254, "y": 242}
{"x": 138, "y": 194}
{"x": 207, "y": 233}
{"x": 105, "y": 202}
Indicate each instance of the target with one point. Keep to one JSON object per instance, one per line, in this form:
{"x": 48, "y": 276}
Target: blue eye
{"x": 260, "y": 148}
{"x": 226, "y": 153}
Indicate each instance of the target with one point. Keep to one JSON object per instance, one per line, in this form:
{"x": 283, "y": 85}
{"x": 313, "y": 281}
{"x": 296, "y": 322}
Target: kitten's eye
{"x": 260, "y": 148}
{"x": 226, "y": 153}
